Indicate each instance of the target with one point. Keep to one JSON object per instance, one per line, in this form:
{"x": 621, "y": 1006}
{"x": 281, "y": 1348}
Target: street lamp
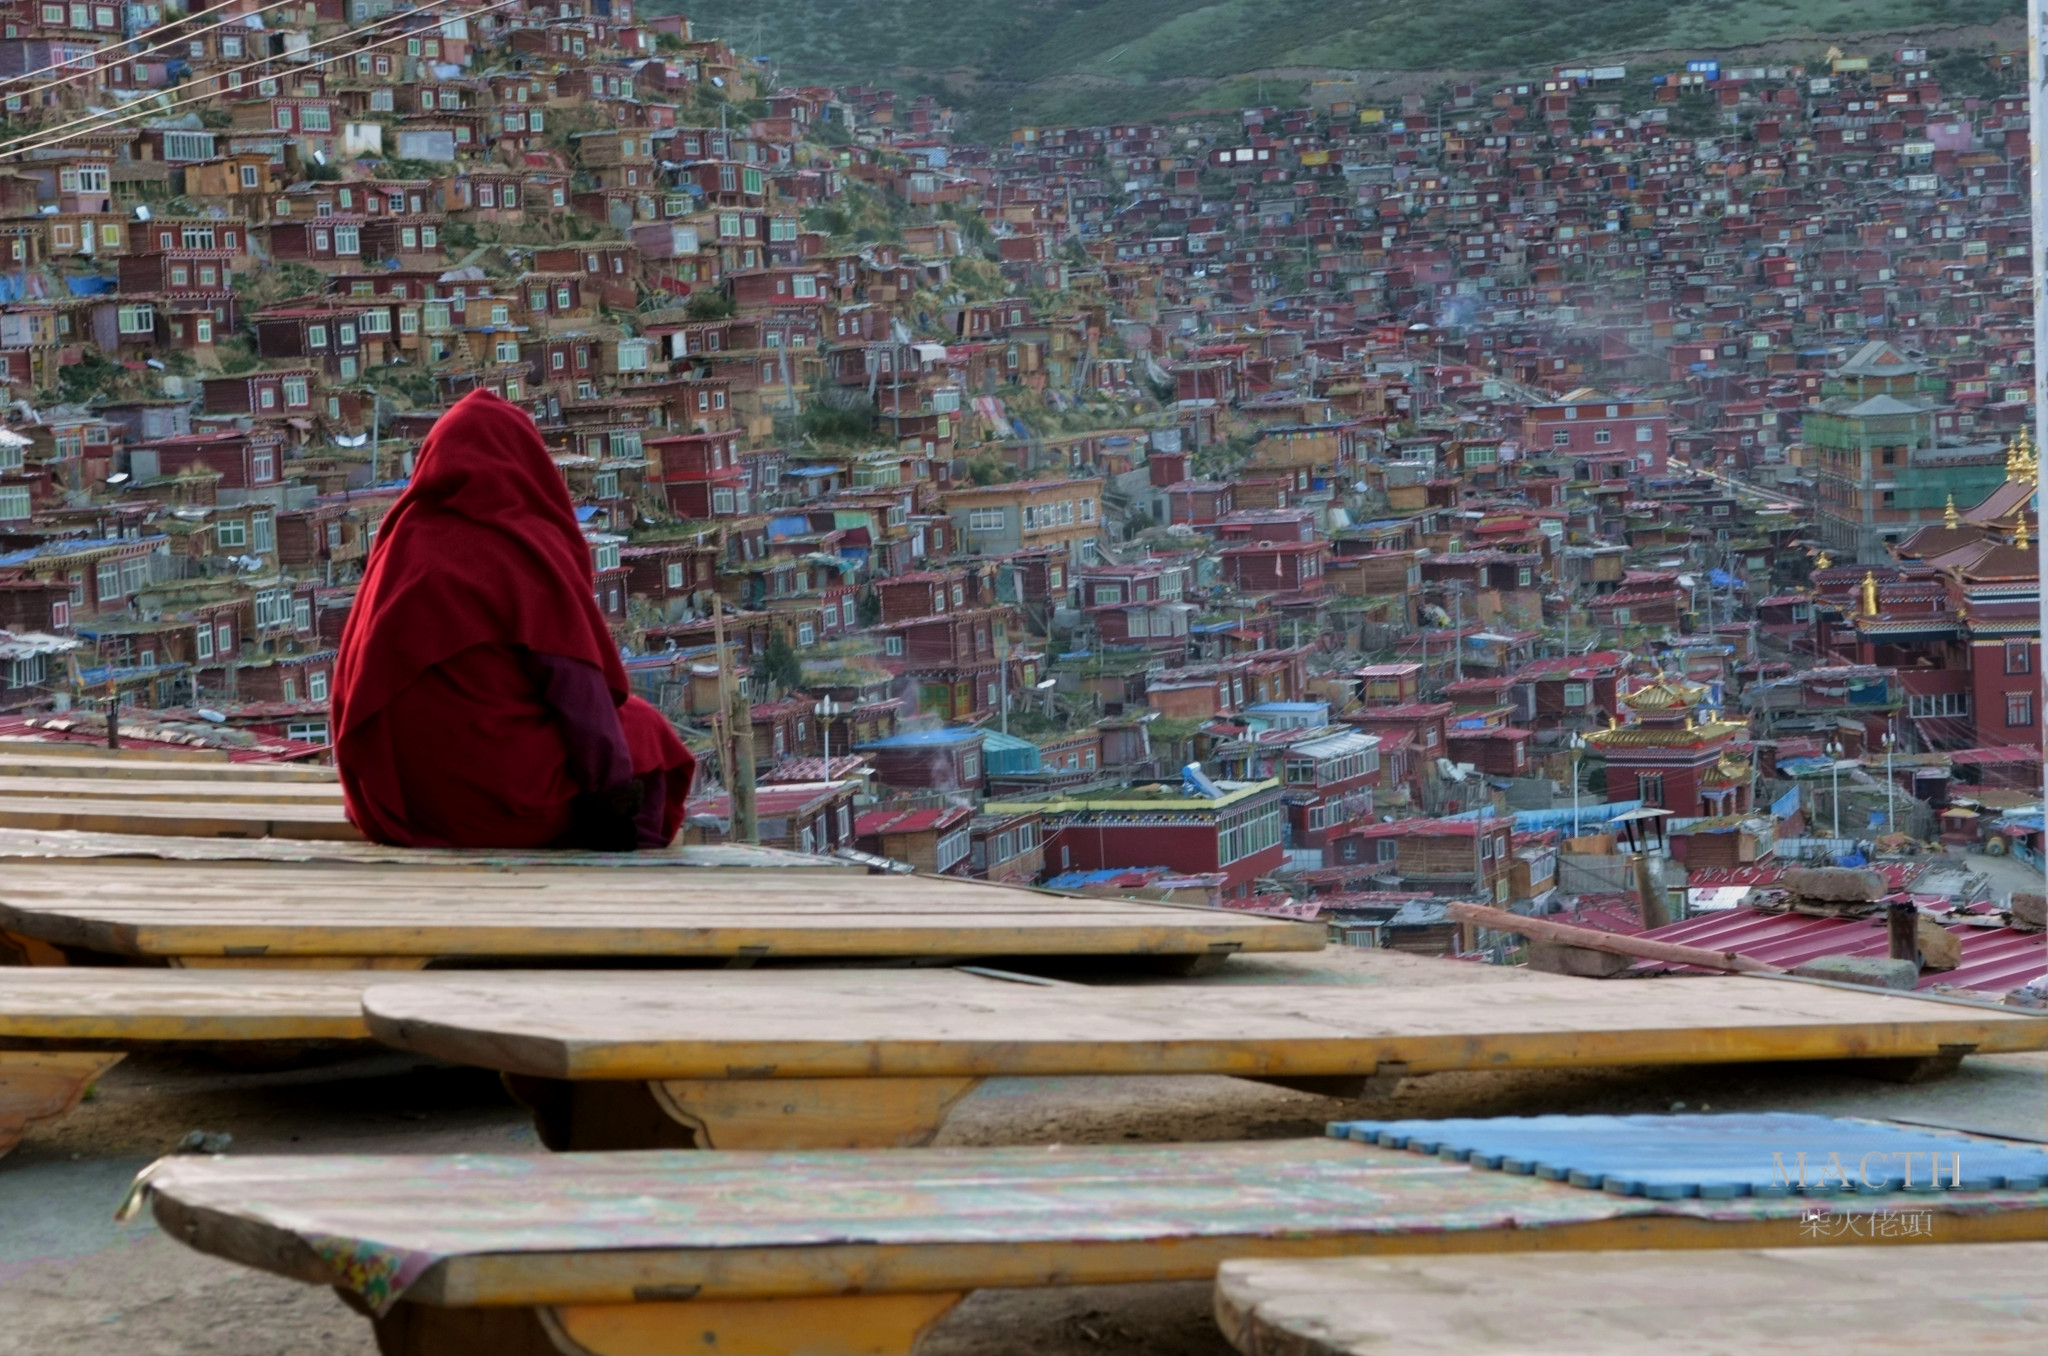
{"x": 1833, "y": 750}
{"x": 1891, "y": 823}
{"x": 825, "y": 710}
{"x": 1577, "y": 744}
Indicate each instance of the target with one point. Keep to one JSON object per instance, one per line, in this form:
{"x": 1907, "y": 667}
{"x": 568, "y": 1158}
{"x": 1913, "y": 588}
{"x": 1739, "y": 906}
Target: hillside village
{"x": 1334, "y": 510}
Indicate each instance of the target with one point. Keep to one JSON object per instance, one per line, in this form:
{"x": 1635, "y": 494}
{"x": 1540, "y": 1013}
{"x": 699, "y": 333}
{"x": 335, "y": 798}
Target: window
{"x": 314, "y": 120}
{"x": 107, "y": 578}
{"x": 316, "y": 687}
{"x": 138, "y": 320}
{"x": 13, "y": 502}
{"x": 986, "y": 520}
{"x": 1602, "y": 436}
{"x": 224, "y": 639}
{"x": 249, "y": 177}
{"x": 1643, "y": 433}
{"x": 231, "y": 532}
{"x": 892, "y": 645}
{"x": 316, "y": 335}
{"x": 675, "y": 574}
{"x": 1561, "y": 438}
{"x": 348, "y": 240}
{"x": 1575, "y": 694}
{"x": 204, "y": 642}
{"x": 302, "y": 617}
{"x": 2019, "y": 709}
{"x": 2019, "y": 656}
{"x": 295, "y": 391}
{"x": 307, "y": 731}
{"x": 262, "y": 467}
{"x": 1650, "y": 789}
{"x": 1939, "y": 704}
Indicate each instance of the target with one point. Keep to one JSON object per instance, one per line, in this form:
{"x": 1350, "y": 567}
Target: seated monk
{"x": 479, "y": 699}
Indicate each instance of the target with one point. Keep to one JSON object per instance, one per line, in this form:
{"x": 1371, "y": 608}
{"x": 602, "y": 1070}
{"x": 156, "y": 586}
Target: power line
{"x": 131, "y": 56}
{"x": 103, "y": 121}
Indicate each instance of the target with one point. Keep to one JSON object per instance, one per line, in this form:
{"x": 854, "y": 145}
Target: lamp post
{"x": 1834, "y": 753}
{"x": 825, "y": 710}
{"x": 1891, "y": 823}
{"x": 1578, "y": 748}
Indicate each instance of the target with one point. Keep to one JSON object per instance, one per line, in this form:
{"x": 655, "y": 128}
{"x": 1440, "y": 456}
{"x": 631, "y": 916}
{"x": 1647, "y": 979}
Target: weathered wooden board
{"x": 264, "y": 912}
{"x": 480, "y": 1230}
{"x": 235, "y": 791}
{"x": 186, "y": 818}
{"x": 65, "y": 845}
{"x": 1851, "y": 1301}
{"x": 19, "y": 760}
{"x": 854, "y": 1025}
{"x": 124, "y": 1007}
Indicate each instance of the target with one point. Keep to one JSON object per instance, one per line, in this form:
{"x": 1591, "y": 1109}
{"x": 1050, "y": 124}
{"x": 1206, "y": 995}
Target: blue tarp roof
{"x": 917, "y": 738}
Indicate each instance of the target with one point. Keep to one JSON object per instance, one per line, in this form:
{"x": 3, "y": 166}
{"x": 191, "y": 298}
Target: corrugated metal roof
{"x": 1994, "y": 959}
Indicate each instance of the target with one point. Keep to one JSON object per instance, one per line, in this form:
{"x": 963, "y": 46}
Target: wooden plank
{"x": 613, "y": 1228}
{"x": 198, "y": 819}
{"x": 102, "y": 1007}
{"x": 236, "y": 792}
{"x": 86, "y": 761}
{"x": 56, "y": 845}
{"x": 29, "y": 746}
{"x": 266, "y": 911}
{"x": 843, "y": 1025}
{"x": 1985, "y": 1298}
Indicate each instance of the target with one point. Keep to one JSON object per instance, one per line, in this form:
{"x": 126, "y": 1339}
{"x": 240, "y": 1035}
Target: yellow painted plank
{"x": 864, "y": 1025}
{"x": 1990, "y": 1299}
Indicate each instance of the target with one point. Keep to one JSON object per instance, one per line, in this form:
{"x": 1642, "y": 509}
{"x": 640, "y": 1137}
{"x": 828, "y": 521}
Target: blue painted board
{"x": 1718, "y": 1156}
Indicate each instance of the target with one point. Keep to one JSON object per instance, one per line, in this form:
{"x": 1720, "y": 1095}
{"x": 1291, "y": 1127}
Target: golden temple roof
{"x": 1666, "y": 694}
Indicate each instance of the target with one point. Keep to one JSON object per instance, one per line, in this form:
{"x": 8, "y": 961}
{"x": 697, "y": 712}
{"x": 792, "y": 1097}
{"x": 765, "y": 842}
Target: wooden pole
{"x": 1902, "y": 921}
{"x": 1592, "y": 939}
{"x": 737, "y": 749}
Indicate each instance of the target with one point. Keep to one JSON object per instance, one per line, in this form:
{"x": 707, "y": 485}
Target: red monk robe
{"x": 479, "y": 699}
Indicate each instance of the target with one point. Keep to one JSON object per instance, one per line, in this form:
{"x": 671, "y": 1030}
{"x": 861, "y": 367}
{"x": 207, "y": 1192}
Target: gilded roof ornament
{"x": 1949, "y": 517}
{"x": 2021, "y": 462}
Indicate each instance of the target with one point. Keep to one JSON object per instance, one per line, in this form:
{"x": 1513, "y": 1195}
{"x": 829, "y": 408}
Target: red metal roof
{"x": 910, "y": 821}
{"x": 1994, "y": 959}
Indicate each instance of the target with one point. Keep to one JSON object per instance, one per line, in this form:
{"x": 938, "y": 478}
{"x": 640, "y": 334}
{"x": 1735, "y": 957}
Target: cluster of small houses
{"x": 1564, "y": 449}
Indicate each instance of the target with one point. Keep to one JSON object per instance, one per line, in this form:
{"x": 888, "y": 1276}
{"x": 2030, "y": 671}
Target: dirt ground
{"x": 73, "y": 1282}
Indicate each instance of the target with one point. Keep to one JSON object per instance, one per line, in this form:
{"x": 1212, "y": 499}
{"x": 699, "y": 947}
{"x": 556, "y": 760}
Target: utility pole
{"x": 1457, "y": 634}
{"x": 2037, "y": 88}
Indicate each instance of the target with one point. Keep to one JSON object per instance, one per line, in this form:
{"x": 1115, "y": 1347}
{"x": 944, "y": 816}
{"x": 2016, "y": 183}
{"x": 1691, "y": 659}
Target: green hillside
{"x": 1128, "y": 56}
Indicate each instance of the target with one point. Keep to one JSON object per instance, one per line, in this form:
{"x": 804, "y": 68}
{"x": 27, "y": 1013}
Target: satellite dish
{"x": 118, "y": 478}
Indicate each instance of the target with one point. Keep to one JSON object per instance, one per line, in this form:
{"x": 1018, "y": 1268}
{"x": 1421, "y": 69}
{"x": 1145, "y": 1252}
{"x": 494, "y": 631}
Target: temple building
{"x": 1675, "y": 757}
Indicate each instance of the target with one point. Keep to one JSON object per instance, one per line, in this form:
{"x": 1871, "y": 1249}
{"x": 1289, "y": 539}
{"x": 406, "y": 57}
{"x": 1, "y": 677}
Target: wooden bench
{"x": 84, "y": 760}
{"x": 61, "y": 1028}
{"x": 263, "y": 913}
{"x": 1986, "y": 1298}
{"x": 55, "y": 845}
{"x": 209, "y": 818}
{"x": 630, "y": 1254}
{"x": 80, "y": 788}
{"x": 868, "y": 1059}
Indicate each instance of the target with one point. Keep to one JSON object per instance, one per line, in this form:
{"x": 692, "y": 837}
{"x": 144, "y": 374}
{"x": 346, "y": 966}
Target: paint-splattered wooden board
{"x": 30, "y": 760}
{"x": 1984, "y": 1298}
{"x": 232, "y": 791}
{"x": 609, "y": 1228}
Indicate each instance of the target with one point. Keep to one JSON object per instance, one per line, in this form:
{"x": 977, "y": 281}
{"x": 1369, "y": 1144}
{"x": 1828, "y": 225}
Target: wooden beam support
{"x": 41, "y": 1085}
{"x": 738, "y": 1113}
{"x": 838, "y": 1325}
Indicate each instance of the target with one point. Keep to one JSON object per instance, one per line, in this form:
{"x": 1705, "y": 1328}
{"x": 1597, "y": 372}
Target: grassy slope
{"x": 1018, "y": 50}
